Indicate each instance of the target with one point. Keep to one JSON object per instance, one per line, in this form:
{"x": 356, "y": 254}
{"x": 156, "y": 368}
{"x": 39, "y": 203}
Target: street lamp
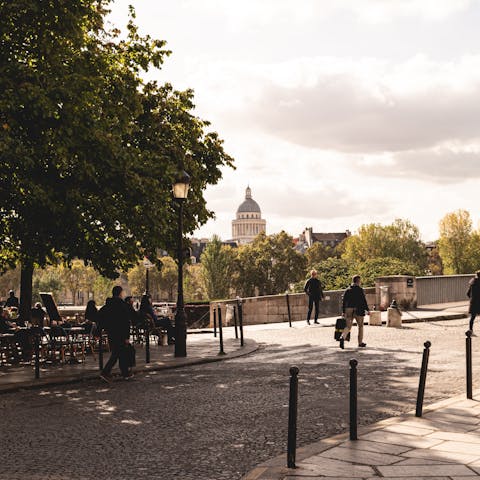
{"x": 180, "y": 192}
{"x": 148, "y": 265}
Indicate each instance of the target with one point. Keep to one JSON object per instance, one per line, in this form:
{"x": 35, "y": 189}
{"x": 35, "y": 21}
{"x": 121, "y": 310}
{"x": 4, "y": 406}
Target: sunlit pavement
{"x": 218, "y": 421}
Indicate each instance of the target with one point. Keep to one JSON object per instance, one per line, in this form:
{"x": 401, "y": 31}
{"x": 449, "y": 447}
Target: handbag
{"x": 340, "y": 326}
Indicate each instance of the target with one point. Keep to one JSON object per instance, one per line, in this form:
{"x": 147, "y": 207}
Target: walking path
{"x": 426, "y": 313}
{"x": 443, "y": 445}
{"x": 201, "y": 349}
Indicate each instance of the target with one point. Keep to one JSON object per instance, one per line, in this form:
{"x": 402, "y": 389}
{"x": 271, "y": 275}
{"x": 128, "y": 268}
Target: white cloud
{"x": 363, "y": 106}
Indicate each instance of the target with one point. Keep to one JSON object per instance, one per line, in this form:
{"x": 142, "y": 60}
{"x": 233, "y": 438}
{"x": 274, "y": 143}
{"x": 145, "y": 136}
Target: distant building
{"x": 249, "y": 222}
{"x": 309, "y": 237}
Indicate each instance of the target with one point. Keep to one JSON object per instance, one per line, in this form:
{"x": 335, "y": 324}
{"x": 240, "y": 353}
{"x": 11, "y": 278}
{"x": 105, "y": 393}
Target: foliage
{"x": 162, "y": 282}
{"x": 268, "y": 265}
{"x": 47, "y": 280}
{"x": 88, "y": 149}
{"x": 9, "y": 280}
{"x": 217, "y": 261}
{"x": 334, "y": 273}
{"x": 381, "y": 267}
{"x": 400, "y": 240}
{"x": 435, "y": 263}
{"x": 195, "y": 288}
{"x": 455, "y": 243}
{"x": 317, "y": 253}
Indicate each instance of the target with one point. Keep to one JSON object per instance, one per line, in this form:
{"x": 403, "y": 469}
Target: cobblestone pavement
{"x": 218, "y": 421}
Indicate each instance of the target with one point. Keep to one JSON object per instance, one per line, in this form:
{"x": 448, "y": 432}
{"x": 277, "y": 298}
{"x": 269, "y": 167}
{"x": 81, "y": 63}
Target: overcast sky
{"x": 337, "y": 113}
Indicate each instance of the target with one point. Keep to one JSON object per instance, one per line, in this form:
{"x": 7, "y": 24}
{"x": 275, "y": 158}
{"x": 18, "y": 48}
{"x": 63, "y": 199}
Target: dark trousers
{"x": 313, "y": 302}
{"x": 118, "y": 352}
{"x": 472, "y": 319}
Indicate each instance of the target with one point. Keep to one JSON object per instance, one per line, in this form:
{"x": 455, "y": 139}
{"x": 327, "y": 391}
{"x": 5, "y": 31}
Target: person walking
{"x": 114, "y": 317}
{"x": 354, "y": 307}
{"x": 313, "y": 289}
{"x": 12, "y": 300}
{"x": 474, "y": 296}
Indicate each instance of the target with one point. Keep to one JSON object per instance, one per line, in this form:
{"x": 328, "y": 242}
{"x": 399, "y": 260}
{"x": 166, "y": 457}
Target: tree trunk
{"x": 26, "y": 291}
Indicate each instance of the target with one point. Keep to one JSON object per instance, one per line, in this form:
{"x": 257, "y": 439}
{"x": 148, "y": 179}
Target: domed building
{"x": 249, "y": 222}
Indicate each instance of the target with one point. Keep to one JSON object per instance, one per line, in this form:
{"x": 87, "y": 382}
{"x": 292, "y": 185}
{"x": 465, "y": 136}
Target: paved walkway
{"x": 443, "y": 445}
{"x": 200, "y": 349}
{"x": 426, "y": 313}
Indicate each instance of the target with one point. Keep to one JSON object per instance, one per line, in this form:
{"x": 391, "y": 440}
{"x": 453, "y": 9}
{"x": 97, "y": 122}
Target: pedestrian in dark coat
{"x": 354, "y": 307}
{"x": 12, "y": 300}
{"x": 313, "y": 288}
{"x": 114, "y": 317}
{"x": 474, "y": 295}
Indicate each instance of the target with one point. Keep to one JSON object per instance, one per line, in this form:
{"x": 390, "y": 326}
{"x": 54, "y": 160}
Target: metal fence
{"x": 442, "y": 289}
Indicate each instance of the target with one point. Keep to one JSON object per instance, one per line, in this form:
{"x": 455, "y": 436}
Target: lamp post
{"x": 148, "y": 265}
{"x": 180, "y": 192}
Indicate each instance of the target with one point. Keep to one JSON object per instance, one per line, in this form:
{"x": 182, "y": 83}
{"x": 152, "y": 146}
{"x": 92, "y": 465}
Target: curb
{"x": 250, "y": 347}
{"x": 276, "y": 466}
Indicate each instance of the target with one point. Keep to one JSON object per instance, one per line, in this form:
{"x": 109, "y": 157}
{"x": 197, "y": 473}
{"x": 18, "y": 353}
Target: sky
{"x": 337, "y": 113}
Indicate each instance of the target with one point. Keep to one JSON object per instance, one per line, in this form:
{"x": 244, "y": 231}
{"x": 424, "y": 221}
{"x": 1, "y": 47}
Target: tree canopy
{"x": 217, "y": 262}
{"x": 400, "y": 240}
{"x": 88, "y": 149}
{"x": 268, "y": 265}
{"x": 459, "y": 244}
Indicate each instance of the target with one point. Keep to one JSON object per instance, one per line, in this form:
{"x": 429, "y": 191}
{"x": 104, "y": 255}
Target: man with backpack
{"x": 114, "y": 317}
{"x": 354, "y": 307}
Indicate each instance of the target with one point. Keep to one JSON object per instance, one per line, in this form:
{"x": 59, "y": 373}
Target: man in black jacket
{"x": 114, "y": 317}
{"x": 313, "y": 288}
{"x": 354, "y": 307}
{"x": 474, "y": 296}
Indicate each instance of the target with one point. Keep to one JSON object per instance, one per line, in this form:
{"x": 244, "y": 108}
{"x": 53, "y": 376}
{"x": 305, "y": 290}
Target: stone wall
{"x": 273, "y": 308}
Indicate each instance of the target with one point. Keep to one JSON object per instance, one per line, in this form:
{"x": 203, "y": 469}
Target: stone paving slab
{"x": 405, "y": 447}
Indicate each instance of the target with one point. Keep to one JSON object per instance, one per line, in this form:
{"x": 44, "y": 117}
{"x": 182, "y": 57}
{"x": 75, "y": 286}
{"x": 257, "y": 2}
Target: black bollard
{"x": 288, "y": 309}
{"x": 292, "y": 418}
{"x": 235, "y": 321}
{"x": 423, "y": 379}
{"x": 37, "y": 356}
{"x": 214, "y": 321}
{"x": 100, "y": 351}
{"x": 353, "y": 400}
{"x": 240, "y": 320}
{"x": 469, "y": 364}
{"x": 220, "y": 330}
{"x": 147, "y": 342}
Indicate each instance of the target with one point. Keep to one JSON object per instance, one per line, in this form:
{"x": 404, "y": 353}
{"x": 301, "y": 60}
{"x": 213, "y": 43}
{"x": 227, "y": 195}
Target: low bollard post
{"x": 215, "y": 322}
{"x": 240, "y": 320}
{"x": 353, "y": 400}
{"x": 288, "y": 309}
{"x": 147, "y": 342}
{"x": 100, "y": 350}
{"x": 469, "y": 364}
{"x": 423, "y": 379}
{"x": 292, "y": 418}
{"x": 235, "y": 321}
{"x": 37, "y": 356}
{"x": 220, "y": 330}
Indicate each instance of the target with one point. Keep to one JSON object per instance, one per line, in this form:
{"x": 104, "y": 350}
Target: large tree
{"x": 455, "y": 243}
{"x": 88, "y": 150}
{"x": 268, "y": 265}
{"x": 217, "y": 262}
{"x": 400, "y": 240}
